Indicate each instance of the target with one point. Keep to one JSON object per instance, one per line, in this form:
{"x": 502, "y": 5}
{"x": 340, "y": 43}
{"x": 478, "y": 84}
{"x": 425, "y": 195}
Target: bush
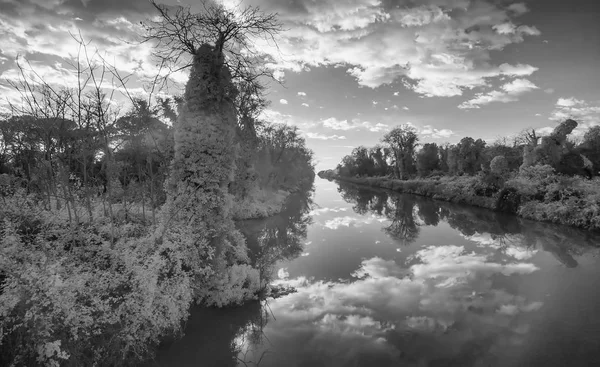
{"x": 499, "y": 165}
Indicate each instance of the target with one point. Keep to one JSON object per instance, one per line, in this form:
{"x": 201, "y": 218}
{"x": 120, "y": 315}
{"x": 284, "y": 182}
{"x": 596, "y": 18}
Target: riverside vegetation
{"x": 114, "y": 223}
{"x": 550, "y": 178}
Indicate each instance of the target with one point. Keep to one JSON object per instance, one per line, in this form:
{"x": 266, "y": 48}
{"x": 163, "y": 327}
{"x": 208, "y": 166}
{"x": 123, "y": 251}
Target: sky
{"x": 351, "y": 70}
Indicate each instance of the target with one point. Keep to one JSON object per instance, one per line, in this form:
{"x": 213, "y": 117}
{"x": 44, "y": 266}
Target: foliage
{"x": 67, "y": 290}
{"x": 499, "y": 165}
{"x": 402, "y": 141}
{"x": 86, "y": 278}
{"x": 428, "y": 159}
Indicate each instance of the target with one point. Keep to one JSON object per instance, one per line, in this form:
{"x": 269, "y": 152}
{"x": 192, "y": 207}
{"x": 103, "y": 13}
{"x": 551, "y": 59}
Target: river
{"x": 384, "y": 279}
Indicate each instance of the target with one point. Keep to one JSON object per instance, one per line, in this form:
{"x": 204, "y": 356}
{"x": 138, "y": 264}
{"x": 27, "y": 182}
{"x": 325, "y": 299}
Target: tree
{"x": 470, "y": 155}
{"x": 216, "y": 44}
{"x": 364, "y": 164}
{"x": 378, "y": 155}
{"x": 499, "y": 165}
{"x": 402, "y": 141}
{"x": 428, "y": 159}
{"x": 590, "y": 147}
{"x": 179, "y": 34}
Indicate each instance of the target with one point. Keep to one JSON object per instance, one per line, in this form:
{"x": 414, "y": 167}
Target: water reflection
{"x": 469, "y": 287}
{"x": 228, "y": 337}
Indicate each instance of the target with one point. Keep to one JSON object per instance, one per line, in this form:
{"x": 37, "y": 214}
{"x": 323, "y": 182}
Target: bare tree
{"x": 179, "y": 34}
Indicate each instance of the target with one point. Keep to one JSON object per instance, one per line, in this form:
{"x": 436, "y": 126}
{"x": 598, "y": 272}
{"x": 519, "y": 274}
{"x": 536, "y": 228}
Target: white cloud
{"x": 432, "y": 132}
{"x": 543, "y": 131}
{"x": 305, "y": 104}
{"x": 279, "y": 75}
{"x": 569, "y": 102}
{"x": 377, "y": 127}
{"x": 283, "y": 101}
{"x": 278, "y": 117}
{"x": 347, "y": 221}
{"x": 428, "y": 297}
{"x": 518, "y": 8}
{"x": 579, "y": 110}
{"x": 510, "y": 93}
{"x": 405, "y": 108}
{"x": 302, "y": 94}
{"x": 336, "y": 124}
{"x": 440, "y": 48}
{"x": 538, "y": 114}
{"x": 344, "y": 125}
{"x": 282, "y": 273}
{"x": 396, "y": 93}
{"x": 324, "y": 137}
{"x": 320, "y": 211}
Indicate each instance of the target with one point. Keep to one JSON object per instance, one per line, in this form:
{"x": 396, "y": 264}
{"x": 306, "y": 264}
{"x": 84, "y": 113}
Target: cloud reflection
{"x": 442, "y": 290}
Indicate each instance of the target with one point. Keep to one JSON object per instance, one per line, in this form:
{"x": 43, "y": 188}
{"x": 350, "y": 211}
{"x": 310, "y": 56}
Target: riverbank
{"x": 536, "y": 194}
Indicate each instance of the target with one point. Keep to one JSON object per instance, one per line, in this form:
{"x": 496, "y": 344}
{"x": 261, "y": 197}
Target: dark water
{"x": 393, "y": 280}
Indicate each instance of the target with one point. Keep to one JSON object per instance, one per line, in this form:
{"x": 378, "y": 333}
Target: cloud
{"x": 509, "y": 92}
{"x": 405, "y": 108}
{"x": 438, "y": 48}
{"x": 579, "y": 110}
{"x": 278, "y": 117}
{"x": 341, "y": 221}
{"x": 302, "y": 94}
{"x": 320, "y": 211}
{"x": 305, "y": 105}
{"x": 443, "y": 286}
{"x": 518, "y": 8}
{"x": 569, "y": 102}
{"x": 347, "y": 221}
{"x": 324, "y": 137}
{"x": 336, "y": 124}
{"x": 344, "y": 125}
{"x": 377, "y": 127}
{"x": 432, "y": 132}
{"x": 279, "y": 75}
{"x": 283, "y": 101}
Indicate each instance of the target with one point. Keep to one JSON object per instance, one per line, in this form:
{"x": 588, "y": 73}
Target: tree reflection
{"x": 503, "y": 229}
{"x": 231, "y": 336}
{"x": 280, "y": 237}
{"x": 404, "y": 226}
{"x": 399, "y": 209}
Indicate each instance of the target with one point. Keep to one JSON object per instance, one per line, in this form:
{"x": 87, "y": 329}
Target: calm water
{"x": 394, "y": 280}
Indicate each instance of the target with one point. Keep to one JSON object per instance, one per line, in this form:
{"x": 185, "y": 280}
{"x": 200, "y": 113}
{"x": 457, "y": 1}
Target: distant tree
{"x": 590, "y": 147}
{"x": 452, "y": 158}
{"x": 364, "y": 164}
{"x": 499, "y": 165}
{"x": 443, "y": 152}
{"x": 378, "y": 155}
{"x": 428, "y": 159}
{"x": 402, "y": 141}
{"x": 470, "y": 155}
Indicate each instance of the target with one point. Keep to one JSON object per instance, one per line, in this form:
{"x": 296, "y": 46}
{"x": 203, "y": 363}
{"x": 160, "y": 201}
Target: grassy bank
{"x": 535, "y": 193}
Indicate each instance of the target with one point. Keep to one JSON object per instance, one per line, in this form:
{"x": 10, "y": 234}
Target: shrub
{"x": 499, "y": 165}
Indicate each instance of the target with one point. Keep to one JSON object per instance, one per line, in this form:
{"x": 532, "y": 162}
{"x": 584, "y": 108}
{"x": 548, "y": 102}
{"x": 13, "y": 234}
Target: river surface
{"x": 384, "y": 279}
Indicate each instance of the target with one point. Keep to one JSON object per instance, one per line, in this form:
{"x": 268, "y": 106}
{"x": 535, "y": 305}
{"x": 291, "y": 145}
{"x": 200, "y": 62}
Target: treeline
{"x": 114, "y": 220}
{"x": 73, "y": 161}
{"x": 551, "y": 178}
{"x": 400, "y": 156}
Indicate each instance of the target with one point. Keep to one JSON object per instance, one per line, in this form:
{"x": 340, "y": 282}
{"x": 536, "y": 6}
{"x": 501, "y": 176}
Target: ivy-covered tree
{"x": 214, "y": 43}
